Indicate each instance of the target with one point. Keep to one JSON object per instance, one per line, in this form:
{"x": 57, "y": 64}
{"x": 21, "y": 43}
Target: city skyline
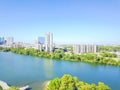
{"x": 71, "y": 21}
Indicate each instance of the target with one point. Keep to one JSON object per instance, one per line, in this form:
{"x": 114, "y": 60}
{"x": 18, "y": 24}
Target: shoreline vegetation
{"x": 45, "y": 85}
{"x": 5, "y": 86}
{"x": 59, "y": 55}
{"x": 67, "y": 82}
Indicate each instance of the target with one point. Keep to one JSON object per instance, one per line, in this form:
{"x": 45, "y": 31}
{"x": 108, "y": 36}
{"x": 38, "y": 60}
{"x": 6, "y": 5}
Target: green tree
{"x": 1, "y": 88}
{"x": 67, "y": 82}
{"x": 102, "y": 86}
{"x": 54, "y": 84}
{"x": 13, "y": 88}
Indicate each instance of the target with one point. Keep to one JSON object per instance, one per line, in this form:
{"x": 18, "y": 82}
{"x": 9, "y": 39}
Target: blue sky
{"x": 71, "y": 21}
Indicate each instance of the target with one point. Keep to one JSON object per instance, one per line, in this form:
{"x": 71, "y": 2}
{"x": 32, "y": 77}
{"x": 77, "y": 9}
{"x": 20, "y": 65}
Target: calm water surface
{"x": 20, "y": 70}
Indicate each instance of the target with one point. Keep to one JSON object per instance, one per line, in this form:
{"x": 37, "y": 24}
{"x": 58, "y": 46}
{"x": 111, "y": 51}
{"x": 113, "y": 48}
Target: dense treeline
{"x": 109, "y": 48}
{"x": 106, "y": 54}
{"x": 67, "y": 82}
{"x": 60, "y": 55}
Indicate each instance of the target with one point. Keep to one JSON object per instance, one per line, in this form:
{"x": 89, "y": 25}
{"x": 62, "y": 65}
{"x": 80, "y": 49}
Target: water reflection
{"x": 48, "y": 68}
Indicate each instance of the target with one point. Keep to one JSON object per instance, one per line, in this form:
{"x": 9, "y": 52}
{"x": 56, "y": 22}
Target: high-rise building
{"x": 79, "y": 49}
{"x": 95, "y": 48}
{"x": 2, "y": 40}
{"x": 49, "y": 42}
{"x": 41, "y": 40}
{"x": 10, "y": 41}
{"x": 76, "y": 49}
{"x": 38, "y": 46}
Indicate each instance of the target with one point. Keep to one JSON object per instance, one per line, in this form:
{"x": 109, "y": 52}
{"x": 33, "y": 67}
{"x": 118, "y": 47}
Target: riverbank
{"x": 89, "y": 57}
{"x": 5, "y": 86}
{"x": 45, "y": 84}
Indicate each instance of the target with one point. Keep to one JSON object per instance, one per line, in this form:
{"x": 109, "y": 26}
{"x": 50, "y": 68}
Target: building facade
{"x": 10, "y": 41}
{"x": 41, "y": 40}
{"x": 80, "y": 49}
{"x": 18, "y": 45}
{"x": 49, "y": 42}
{"x": 38, "y": 46}
{"x": 2, "y": 40}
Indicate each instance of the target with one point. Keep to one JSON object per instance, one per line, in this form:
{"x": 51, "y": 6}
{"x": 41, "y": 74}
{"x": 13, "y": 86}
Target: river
{"x": 20, "y": 70}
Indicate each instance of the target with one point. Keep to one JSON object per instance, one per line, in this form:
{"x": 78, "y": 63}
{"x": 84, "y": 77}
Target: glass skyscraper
{"x": 41, "y": 40}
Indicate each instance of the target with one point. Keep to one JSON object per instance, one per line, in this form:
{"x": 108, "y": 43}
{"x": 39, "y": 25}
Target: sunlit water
{"x": 20, "y": 70}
